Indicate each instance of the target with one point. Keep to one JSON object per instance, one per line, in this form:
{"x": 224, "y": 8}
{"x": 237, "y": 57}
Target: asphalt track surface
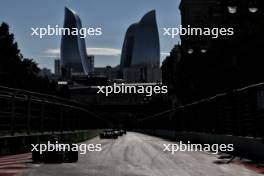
{"x": 136, "y": 154}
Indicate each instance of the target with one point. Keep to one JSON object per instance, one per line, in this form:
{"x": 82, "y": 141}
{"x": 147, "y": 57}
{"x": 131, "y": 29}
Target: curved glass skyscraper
{"x": 141, "y": 44}
{"x": 74, "y": 57}
{"x": 140, "y": 58}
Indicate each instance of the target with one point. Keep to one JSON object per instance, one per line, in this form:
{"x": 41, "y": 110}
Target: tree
{"x": 19, "y": 72}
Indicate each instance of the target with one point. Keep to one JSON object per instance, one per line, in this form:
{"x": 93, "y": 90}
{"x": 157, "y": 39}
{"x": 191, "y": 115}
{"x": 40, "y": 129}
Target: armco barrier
{"x": 23, "y": 112}
{"x": 234, "y": 117}
{"x": 245, "y": 147}
{"x": 22, "y": 143}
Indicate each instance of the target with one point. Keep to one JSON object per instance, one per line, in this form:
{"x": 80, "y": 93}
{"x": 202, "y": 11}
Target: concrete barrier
{"x": 246, "y": 147}
{"x": 21, "y": 143}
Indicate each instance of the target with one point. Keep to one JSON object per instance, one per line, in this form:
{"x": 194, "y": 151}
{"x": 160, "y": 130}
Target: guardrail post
{"x": 42, "y": 116}
{"x": 29, "y": 98}
{"x": 13, "y": 114}
{"x": 61, "y": 118}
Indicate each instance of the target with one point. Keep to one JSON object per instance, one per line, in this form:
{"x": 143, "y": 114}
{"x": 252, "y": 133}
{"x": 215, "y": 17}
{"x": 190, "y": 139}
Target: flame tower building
{"x": 140, "y": 57}
{"x": 74, "y": 58}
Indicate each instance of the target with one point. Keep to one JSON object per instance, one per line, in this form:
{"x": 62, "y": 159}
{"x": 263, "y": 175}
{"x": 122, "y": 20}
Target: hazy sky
{"x": 113, "y": 16}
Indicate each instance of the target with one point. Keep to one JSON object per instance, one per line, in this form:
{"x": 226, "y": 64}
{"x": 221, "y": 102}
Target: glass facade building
{"x": 74, "y": 59}
{"x": 141, "y": 44}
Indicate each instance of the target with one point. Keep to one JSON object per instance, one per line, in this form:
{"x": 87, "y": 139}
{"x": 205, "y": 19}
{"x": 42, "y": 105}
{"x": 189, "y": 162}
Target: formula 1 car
{"x": 108, "y": 134}
{"x": 120, "y": 132}
{"x": 123, "y": 131}
{"x": 63, "y": 155}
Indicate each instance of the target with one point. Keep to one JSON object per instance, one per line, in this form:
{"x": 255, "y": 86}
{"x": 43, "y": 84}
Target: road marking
{"x": 14, "y": 164}
{"x": 259, "y": 168}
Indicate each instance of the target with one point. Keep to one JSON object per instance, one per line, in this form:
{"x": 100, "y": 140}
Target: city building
{"x": 199, "y": 14}
{"x": 170, "y": 68}
{"x": 90, "y": 63}
{"x": 45, "y": 72}
{"x": 74, "y": 59}
{"x": 215, "y": 65}
{"x": 140, "y": 57}
{"x": 112, "y": 73}
{"x": 142, "y": 74}
{"x": 171, "y": 76}
{"x": 57, "y": 67}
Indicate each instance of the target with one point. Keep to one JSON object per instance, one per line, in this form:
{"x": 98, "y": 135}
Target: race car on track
{"x": 108, "y": 134}
{"x": 62, "y": 155}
